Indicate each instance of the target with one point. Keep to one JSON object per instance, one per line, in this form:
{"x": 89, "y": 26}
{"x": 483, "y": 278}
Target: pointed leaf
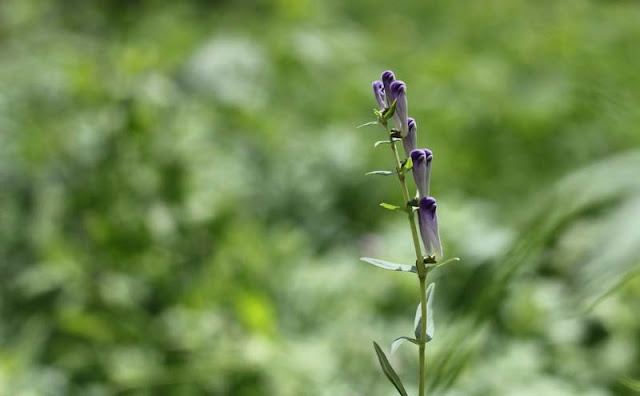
{"x": 398, "y": 341}
{"x": 379, "y": 142}
{"x": 368, "y": 124}
{"x": 383, "y": 173}
{"x": 416, "y": 321}
{"x": 388, "y": 113}
{"x": 447, "y": 261}
{"x": 431, "y": 327}
{"x": 418, "y": 317}
{"x": 388, "y": 265}
{"x": 388, "y": 370}
{"x": 389, "y": 206}
{"x": 407, "y": 165}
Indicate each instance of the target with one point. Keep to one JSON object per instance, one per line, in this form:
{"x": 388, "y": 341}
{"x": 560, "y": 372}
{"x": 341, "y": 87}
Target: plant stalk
{"x": 422, "y": 271}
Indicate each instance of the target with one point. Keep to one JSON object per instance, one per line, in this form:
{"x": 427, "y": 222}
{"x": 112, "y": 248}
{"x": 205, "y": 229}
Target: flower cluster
{"x": 387, "y": 91}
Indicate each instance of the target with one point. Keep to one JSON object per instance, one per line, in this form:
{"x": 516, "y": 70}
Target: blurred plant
{"x": 391, "y": 96}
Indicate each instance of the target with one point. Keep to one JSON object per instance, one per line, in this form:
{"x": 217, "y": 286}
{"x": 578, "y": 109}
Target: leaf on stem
{"x": 447, "y": 261}
{"x": 407, "y": 165}
{"x": 388, "y": 265}
{"x": 416, "y": 321}
{"x": 430, "y": 321}
{"x": 368, "y": 124}
{"x": 398, "y": 341}
{"x": 382, "y": 173}
{"x": 379, "y": 142}
{"x": 390, "y": 207}
{"x": 388, "y": 370}
{"x": 431, "y": 327}
{"x": 388, "y": 113}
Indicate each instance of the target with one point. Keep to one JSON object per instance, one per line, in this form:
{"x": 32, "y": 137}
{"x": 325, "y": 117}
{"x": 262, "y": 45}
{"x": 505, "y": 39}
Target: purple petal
{"x": 428, "y": 221}
{"x": 410, "y": 141}
{"x": 401, "y": 115}
{"x": 387, "y": 78}
{"x": 422, "y": 170}
{"x": 378, "y": 92}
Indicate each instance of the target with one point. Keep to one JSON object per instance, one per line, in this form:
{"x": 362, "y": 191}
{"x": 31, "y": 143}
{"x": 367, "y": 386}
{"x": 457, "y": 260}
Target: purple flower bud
{"x": 378, "y": 92}
{"x": 387, "y": 78}
{"x": 428, "y": 221}
{"x": 410, "y": 141}
{"x": 399, "y": 93}
{"x": 422, "y": 170}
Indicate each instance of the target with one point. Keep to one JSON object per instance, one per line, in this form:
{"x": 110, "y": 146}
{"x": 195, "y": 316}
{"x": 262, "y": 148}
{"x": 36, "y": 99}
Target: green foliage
{"x": 181, "y": 196}
{"x": 388, "y": 370}
{"x": 389, "y": 265}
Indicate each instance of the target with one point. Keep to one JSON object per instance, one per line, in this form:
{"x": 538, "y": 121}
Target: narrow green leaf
{"x": 400, "y": 340}
{"x": 389, "y": 371}
{"x": 379, "y": 142}
{"x": 431, "y": 327}
{"x": 388, "y": 113}
{"x": 389, "y": 206}
{"x": 388, "y": 265}
{"x": 447, "y": 261}
{"x": 630, "y": 383}
{"x": 408, "y": 164}
{"x": 418, "y": 317}
{"x": 416, "y": 321}
{"x": 368, "y": 124}
{"x": 382, "y": 173}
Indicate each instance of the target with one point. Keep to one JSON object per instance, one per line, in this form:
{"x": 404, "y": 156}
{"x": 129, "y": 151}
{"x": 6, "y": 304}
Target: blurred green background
{"x": 183, "y": 200}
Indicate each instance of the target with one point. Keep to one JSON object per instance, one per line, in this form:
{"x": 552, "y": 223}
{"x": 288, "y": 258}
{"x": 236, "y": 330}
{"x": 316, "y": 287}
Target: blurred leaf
{"x": 388, "y": 370}
{"x": 368, "y": 124}
{"x": 388, "y": 265}
{"x": 549, "y": 214}
{"x": 379, "y": 142}
{"x": 431, "y": 327}
{"x": 614, "y": 256}
{"x": 399, "y": 341}
{"x": 390, "y": 207}
{"x": 632, "y": 384}
{"x": 447, "y": 261}
{"x": 382, "y": 173}
{"x": 430, "y": 323}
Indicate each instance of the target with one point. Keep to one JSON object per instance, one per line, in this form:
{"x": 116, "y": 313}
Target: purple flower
{"x": 422, "y": 170}
{"x": 410, "y": 140}
{"x": 428, "y": 221}
{"x": 401, "y": 115}
{"x": 387, "y": 78}
{"x": 378, "y": 92}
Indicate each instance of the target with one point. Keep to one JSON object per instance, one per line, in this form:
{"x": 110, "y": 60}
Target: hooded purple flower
{"x": 410, "y": 141}
{"x": 399, "y": 93}
{"x": 378, "y": 92}
{"x": 428, "y": 221}
{"x": 387, "y": 78}
{"x": 422, "y": 170}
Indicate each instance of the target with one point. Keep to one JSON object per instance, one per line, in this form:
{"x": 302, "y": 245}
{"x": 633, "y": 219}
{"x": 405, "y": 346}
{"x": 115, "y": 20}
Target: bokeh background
{"x": 183, "y": 200}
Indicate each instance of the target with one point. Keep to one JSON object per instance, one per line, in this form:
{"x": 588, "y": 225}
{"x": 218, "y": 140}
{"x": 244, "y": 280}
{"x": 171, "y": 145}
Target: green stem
{"x": 422, "y": 271}
{"x": 423, "y": 331}
{"x": 412, "y": 221}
